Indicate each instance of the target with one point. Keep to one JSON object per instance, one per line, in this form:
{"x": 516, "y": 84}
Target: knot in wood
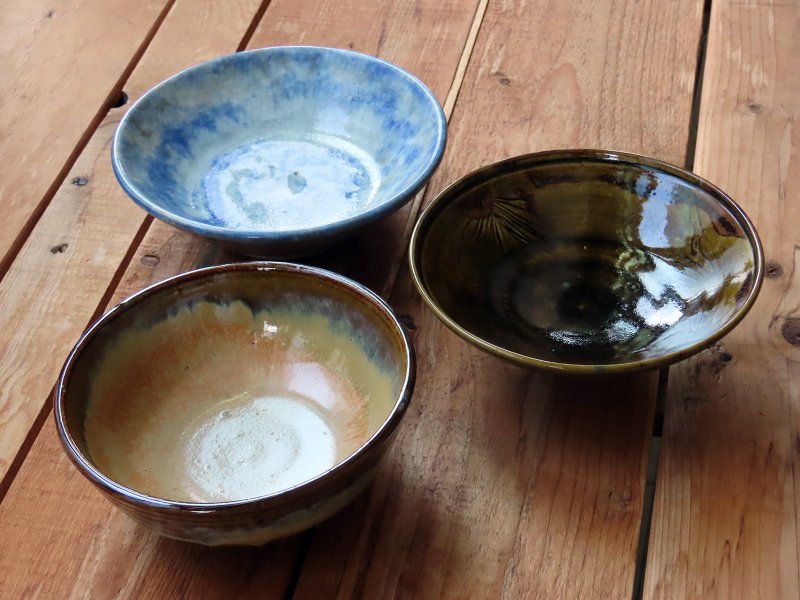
{"x": 774, "y": 270}
{"x": 791, "y": 331}
{"x": 408, "y": 321}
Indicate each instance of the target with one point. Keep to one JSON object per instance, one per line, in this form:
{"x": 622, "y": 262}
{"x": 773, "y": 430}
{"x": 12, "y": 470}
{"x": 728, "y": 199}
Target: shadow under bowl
{"x": 236, "y": 404}
{"x": 587, "y": 261}
{"x": 280, "y": 152}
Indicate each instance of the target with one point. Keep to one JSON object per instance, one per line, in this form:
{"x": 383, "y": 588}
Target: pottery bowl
{"x": 236, "y": 404}
{"x": 280, "y": 152}
{"x": 587, "y": 261}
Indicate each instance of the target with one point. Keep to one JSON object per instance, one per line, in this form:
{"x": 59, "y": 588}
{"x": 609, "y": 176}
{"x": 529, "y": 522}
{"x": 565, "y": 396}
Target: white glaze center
{"x": 257, "y": 446}
{"x": 284, "y": 184}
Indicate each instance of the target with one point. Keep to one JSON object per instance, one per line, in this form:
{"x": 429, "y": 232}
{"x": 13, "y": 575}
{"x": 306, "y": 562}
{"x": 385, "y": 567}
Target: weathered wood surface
{"x": 68, "y": 260}
{"x": 62, "y": 63}
{"x": 505, "y": 483}
{"x": 502, "y": 483}
{"x": 727, "y": 493}
{"x": 474, "y": 474}
{"x": 99, "y": 225}
{"x": 55, "y": 545}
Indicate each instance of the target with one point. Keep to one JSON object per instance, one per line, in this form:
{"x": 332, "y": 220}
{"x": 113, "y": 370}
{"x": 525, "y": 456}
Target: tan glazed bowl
{"x": 236, "y": 404}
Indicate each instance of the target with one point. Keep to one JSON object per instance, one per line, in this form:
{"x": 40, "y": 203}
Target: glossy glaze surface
{"x": 279, "y": 151}
{"x": 587, "y": 261}
{"x": 261, "y": 389}
{"x": 218, "y": 403}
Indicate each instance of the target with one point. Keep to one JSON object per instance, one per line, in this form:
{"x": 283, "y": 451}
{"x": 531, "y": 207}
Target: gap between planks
{"x": 648, "y": 501}
{"x": 694, "y": 117}
{"x": 47, "y": 405}
{"x": 654, "y": 455}
{"x": 449, "y": 106}
{"x": 302, "y": 554}
{"x": 36, "y": 214}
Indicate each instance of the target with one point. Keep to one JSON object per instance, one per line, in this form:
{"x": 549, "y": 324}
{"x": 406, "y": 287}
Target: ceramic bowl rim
{"x": 485, "y": 173}
{"x": 227, "y": 233}
{"x": 310, "y": 489}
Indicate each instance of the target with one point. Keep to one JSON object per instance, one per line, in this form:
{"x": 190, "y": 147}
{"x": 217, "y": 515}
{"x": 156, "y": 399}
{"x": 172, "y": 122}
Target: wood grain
{"x": 147, "y": 566}
{"x": 63, "y": 270}
{"x": 727, "y": 495}
{"x": 504, "y": 483}
{"x": 499, "y": 483}
{"x": 62, "y": 63}
{"x": 71, "y": 256}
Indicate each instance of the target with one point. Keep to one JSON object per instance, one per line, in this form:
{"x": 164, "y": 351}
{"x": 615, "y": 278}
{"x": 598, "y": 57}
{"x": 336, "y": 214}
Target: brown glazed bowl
{"x": 236, "y": 404}
{"x": 587, "y": 261}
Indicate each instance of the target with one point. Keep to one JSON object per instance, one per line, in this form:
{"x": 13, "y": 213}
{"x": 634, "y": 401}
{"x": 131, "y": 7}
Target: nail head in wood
{"x": 121, "y": 101}
{"x": 150, "y": 260}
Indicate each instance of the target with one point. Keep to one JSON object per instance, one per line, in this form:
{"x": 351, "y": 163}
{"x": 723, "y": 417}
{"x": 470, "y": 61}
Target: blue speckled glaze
{"x": 280, "y": 151}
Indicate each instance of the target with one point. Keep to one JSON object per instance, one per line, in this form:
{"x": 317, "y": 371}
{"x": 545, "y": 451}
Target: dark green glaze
{"x": 587, "y": 261}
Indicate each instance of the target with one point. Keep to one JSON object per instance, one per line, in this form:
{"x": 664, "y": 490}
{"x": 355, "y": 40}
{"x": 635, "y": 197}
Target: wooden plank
{"x": 91, "y": 227}
{"x": 727, "y": 494}
{"x": 62, "y": 62}
{"x": 150, "y": 565}
{"x": 504, "y": 483}
{"x": 385, "y": 29}
{"x": 75, "y": 249}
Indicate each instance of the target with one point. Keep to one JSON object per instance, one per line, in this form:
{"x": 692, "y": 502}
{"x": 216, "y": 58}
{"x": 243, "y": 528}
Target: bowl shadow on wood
{"x": 571, "y": 464}
{"x": 347, "y": 540}
{"x": 363, "y": 256}
{"x": 223, "y": 572}
{"x": 581, "y": 450}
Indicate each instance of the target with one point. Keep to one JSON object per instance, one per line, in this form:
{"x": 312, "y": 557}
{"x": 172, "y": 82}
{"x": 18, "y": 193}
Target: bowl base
{"x": 287, "y": 182}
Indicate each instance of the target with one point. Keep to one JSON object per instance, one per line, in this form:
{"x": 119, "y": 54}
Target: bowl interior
{"x": 279, "y": 139}
{"x": 560, "y": 260}
{"x": 235, "y": 386}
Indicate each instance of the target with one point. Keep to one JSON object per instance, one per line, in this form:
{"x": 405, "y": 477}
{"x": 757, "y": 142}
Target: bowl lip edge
{"x": 308, "y": 491}
{"x": 576, "y": 154}
{"x": 228, "y": 234}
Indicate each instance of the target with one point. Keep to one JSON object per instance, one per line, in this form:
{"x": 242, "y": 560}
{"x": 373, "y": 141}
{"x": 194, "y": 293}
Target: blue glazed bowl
{"x": 280, "y": 152}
